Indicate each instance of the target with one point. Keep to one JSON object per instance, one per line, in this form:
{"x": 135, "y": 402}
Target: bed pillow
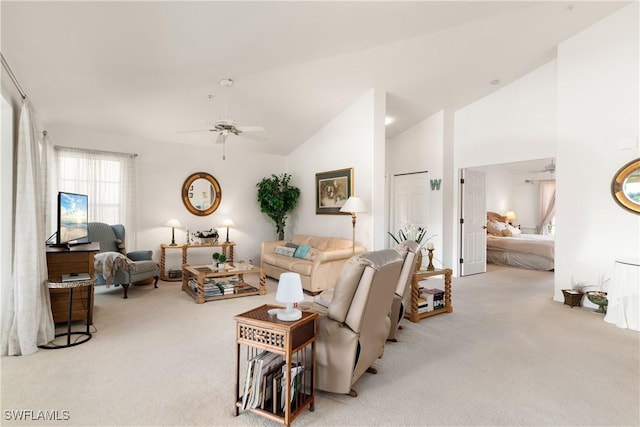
{"x": 494, "y": 228}
{"x": 515, "y": 231}
{"x": 284, "y": 250}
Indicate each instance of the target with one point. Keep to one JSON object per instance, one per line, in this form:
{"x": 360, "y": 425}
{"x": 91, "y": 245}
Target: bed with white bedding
{"x": 508, "y": 246}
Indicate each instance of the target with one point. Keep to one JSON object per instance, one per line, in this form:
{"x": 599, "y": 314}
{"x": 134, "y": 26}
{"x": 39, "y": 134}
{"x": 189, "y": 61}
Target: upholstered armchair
{"x": 352, "y": 329}
{"x": 113, "y": 265}
{"x": 402, "y": 295}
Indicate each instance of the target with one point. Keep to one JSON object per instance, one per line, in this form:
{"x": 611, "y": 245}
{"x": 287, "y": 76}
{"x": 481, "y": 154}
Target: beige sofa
{"x": 318, "y": 268}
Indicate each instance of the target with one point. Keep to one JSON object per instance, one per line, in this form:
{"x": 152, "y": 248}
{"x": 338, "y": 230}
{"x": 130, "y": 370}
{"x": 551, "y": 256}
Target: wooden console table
{"x": 227, "y": 250}
{"x": 295, "y": 341}
{"x": 413, "y": 314}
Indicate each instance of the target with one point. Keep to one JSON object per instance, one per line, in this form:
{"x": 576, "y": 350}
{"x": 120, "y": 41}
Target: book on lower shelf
{"x": 258, "y": 368}
{"x": 216, "y": 287}
{"x": 434, "y": 298}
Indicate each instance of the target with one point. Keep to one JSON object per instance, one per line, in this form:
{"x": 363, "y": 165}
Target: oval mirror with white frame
{"x": 201, "y": 194}
{"x": 625, "y": 186}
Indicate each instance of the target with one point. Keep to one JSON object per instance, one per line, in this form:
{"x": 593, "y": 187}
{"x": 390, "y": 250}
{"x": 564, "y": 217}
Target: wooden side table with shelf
{"x": 295, "y": 341}
{"x": 412, "y": 314}
{"x": 227, "y": 250}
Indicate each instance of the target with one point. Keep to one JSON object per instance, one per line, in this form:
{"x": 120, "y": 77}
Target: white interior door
{"x": 410, "y": 200}
{"x": 473, "y": 218}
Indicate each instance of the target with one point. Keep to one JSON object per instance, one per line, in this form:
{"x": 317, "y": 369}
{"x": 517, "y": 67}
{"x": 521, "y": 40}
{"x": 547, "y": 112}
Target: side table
{"x": 295, "y": 341}
{"x": 227, "y": 249}
{"x": 86, "y": 334}
{"x": 419, "y": 275}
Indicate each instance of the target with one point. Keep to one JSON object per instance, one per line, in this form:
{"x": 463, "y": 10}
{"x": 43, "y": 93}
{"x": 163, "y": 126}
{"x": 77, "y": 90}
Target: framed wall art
{"x": 333, "y": 188}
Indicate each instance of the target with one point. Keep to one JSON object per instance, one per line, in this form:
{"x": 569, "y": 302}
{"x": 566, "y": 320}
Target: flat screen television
{"x": 73, "y": 218}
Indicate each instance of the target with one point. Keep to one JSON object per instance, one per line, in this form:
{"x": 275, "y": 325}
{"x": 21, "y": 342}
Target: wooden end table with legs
{"x": 295, "y": 341}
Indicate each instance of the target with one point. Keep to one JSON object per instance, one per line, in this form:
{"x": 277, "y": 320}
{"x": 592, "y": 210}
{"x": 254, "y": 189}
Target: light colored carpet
{"x": 507, "y": 355}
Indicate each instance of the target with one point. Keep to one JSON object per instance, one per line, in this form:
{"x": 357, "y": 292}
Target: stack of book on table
{"x": 265, "y": 385}
{"x": 429, "y": 299}
{"x": 216, "y": 287}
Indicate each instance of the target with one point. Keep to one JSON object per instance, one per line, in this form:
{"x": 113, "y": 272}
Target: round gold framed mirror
{"x": 201, "y": 194}
{"x": 625, "y": 186}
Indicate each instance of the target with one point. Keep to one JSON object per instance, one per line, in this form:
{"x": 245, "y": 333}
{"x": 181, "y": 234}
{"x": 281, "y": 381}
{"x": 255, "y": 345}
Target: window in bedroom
{"x": 108, "y": 178}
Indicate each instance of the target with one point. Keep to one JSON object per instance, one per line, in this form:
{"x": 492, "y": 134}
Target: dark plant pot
{"x": 572, "y": 298}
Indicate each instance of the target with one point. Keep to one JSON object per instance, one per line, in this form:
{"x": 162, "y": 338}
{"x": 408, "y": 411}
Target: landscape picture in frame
{"x": 333, "y": 188}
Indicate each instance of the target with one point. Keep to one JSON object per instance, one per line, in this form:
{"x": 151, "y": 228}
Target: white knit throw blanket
{"x": 108, "y": 263}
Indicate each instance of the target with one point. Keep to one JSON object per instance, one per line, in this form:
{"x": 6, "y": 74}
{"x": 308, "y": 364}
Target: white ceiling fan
{"x": 549, "y": 167}
{"x": 226, "y": 127}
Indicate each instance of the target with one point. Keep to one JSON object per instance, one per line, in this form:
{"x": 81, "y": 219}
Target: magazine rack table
{"x": 295, "y": 341}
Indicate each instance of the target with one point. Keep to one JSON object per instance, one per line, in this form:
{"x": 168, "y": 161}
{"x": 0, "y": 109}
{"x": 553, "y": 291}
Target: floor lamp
{"x": 353, "y": 205}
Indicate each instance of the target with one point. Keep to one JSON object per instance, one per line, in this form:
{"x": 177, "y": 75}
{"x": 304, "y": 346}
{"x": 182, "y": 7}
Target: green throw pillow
{"x": 302, "y": 251}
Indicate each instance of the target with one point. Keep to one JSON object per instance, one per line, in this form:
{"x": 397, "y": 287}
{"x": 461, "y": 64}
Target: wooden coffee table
{"x": 206, "y": 283}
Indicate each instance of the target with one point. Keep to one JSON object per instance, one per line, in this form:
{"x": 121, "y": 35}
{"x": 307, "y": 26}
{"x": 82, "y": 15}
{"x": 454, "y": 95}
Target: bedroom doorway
{"x": 473, "y": 235}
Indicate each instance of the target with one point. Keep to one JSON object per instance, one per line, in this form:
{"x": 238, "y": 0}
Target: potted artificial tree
{"x": 277, "y": 197}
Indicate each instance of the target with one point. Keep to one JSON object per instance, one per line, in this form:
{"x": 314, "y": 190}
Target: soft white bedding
{"x": 533, "y": 251}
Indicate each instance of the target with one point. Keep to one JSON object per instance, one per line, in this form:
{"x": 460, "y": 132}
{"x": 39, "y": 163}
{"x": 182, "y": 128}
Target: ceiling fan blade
{"x": 258, "y": 138}
{"x": 250, "y": 128}
{"x": 194, "y": 131}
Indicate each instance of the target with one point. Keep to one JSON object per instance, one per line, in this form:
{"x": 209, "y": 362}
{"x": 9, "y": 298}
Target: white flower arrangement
{"x": 412, "y": 232}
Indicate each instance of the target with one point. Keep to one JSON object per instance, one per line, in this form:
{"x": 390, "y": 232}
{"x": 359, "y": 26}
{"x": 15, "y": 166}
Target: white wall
{"x": 420, "y": 148}
{"x": 598, "y": 100}
{"x": 515, "y": 123}
{"x": 347, "y": 141}
{"x": 162, "y": 169}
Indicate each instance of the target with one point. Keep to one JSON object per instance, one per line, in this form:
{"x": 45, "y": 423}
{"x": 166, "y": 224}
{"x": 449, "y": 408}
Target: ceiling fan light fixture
{"x": 226, "y": 82}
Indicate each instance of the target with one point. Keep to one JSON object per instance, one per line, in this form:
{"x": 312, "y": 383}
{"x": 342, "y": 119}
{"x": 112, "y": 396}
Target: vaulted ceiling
{"x": 148, "y": 69}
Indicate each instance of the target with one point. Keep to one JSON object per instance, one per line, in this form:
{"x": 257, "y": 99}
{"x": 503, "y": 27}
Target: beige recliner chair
{"x": 353, "y": 328}
{"x": 402, "y": 296}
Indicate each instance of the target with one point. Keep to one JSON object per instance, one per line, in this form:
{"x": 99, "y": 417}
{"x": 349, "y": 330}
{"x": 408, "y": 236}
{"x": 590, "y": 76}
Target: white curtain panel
{"x": 547, "y": 204}
{"x": 29, "y": 322}
{"x": 110, "y": 181}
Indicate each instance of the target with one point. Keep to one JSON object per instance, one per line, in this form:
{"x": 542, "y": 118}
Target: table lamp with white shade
{"x": 353, "y": 205}
{"x": 289, "y": 292}
{"x": 173, "y": 223}
{"x": 229, "y": 224}
{"x": 511, "y": 217}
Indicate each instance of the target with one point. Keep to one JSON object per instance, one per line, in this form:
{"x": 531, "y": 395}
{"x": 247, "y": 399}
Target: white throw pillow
{"x": 515, "y": 231}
